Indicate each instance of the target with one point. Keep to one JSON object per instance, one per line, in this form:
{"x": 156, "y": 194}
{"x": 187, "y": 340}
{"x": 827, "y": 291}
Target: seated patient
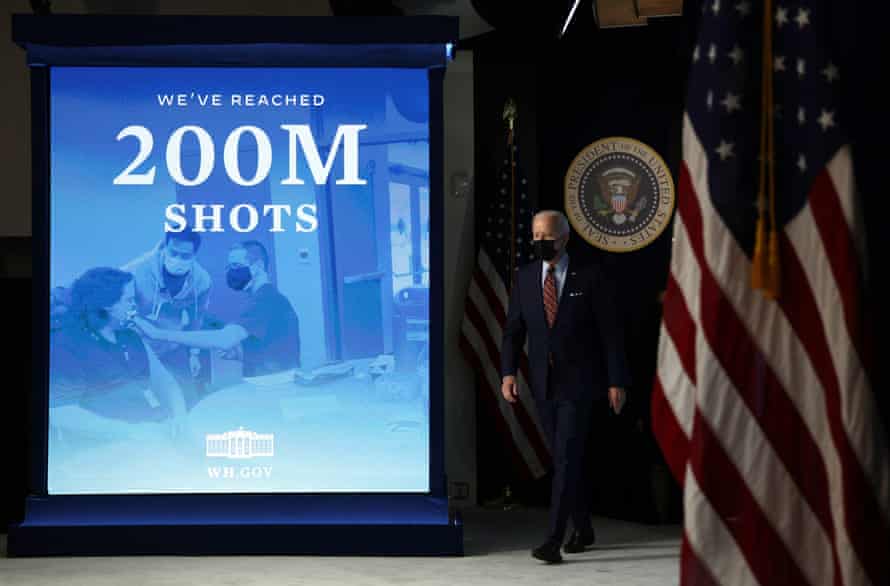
{"x": 104, "y": 380}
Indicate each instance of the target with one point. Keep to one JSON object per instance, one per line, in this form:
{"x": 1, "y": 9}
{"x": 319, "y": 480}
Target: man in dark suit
{"x": 576, "y": 357}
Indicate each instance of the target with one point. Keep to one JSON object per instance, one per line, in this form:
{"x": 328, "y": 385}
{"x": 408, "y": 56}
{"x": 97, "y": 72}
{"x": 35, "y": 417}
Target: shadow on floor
{"x": 490, "y": 531}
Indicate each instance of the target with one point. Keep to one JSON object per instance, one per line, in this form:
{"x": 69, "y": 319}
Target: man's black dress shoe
{"x": 579, "y": 541}
{"x": 548, "y": 552}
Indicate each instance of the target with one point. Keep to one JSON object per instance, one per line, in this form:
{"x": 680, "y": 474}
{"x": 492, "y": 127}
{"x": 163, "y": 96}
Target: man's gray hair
{"x": 562, "y": 223}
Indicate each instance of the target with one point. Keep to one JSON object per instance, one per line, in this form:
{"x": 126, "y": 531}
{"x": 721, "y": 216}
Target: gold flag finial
{"x": 510, "y": 112}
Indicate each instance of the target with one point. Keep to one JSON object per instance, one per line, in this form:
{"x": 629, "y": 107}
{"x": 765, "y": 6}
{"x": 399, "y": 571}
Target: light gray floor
{"x": 497, "y": 546}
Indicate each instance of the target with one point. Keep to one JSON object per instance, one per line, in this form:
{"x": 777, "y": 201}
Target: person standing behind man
{"x": 173, "y": 290}
{"x": 266, "y": 336}
{"x": 575, "y": 353}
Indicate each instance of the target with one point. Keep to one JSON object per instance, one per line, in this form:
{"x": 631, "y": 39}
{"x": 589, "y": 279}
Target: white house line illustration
{"x": 240, "y": 444}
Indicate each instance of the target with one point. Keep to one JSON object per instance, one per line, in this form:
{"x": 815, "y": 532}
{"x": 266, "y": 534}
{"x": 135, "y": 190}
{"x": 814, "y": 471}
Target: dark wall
{"x": 632, "y": 82}
{"x": 15, "y": 268}
{"x": 591, "y": 85}
{"x": 618, "y": 82}
{"x": 865, "y": 108}
{"x": 497, "y": 76}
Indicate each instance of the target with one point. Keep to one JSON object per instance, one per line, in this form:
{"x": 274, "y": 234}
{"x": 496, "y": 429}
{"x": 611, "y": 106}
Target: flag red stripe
{"x": 692, "y": 571}
{"x": 494, "y": 357}
{"x": 680, "y": 325}
{"x": 863, "y": 514}
{"x": 671, "y": 437}
{"x": 785, "y": 464}
{"x": 757, "y": 387}
{"x": 842, "y": 255}
{"x": 495, "y": 306}
{"x": 489, "y": 398}
{"x": 727, "y": 492}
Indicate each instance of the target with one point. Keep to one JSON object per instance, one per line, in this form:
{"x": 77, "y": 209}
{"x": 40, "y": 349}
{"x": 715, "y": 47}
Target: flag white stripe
{"x": 496, "y": 333}
{"x": 487, "y": 271}
{"x": 678, "y": 389}
{"x": 710, "y": 540}
{"x": 528, "y": 453}
{"x": 840, "y": 169}
{"x": 500, "y": 291}
{"x": 766, "y": 477}
{"x": 857, "y": 402}
{"x": 675, "y": 381}
{"x": 775, "y": 339}
{"x": 742, "y": 439}
{"x": 494, "y": 280}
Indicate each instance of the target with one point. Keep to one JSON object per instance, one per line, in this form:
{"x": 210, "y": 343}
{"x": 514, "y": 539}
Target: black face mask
{"x": 238, "y": 277}
{"x": 545, "y": 249}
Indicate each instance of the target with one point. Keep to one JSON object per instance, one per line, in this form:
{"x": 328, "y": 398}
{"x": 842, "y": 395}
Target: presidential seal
{"x": 619, "y": 194}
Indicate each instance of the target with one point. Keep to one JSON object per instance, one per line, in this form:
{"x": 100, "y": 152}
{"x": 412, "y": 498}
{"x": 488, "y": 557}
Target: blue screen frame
{"x": 40, "y": 86}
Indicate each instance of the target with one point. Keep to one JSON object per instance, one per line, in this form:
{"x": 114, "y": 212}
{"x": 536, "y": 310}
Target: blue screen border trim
{"x": 40, "y": 270}
{"x": 207, "y": 41}
{"x": 265, "y": 55}
{"x": 39, "y": 400}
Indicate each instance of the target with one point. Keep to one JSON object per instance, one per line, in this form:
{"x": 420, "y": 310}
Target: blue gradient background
{"x": 362, "y": 433}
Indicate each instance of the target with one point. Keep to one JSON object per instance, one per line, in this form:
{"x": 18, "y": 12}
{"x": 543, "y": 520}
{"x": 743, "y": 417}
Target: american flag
{"x": 763, "y": 405}
{"x": 504, "y": 238}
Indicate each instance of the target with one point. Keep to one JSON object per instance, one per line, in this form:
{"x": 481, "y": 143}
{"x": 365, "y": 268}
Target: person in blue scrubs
{"x": 266, "y": 336}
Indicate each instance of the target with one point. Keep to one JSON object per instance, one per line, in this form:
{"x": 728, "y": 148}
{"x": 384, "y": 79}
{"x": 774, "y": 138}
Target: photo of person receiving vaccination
{"x": 265, "y": 337}
{"x": 105, "y": 381}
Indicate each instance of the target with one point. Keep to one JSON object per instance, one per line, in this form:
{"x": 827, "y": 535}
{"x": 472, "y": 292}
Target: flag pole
{"x": 765, "y": 272}
{"x": 773, "y": 273}
{"x": 509, "y": 117}
{"x": 759, "y": 260}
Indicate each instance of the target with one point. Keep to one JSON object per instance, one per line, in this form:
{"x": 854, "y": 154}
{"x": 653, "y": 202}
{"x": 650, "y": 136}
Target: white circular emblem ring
{"x": 619, "y": 194}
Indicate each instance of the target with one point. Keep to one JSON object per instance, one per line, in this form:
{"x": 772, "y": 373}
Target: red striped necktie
{"x": 551, "y": 299}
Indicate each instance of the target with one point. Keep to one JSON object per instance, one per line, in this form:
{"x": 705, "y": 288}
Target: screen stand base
{"x": 190, "y": 524}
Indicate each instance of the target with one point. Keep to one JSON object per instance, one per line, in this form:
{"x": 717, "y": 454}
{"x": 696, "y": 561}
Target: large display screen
{"x": 239, "y": 274}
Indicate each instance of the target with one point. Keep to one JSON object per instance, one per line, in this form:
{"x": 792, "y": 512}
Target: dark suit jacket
{"x": 586, "y": 343}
